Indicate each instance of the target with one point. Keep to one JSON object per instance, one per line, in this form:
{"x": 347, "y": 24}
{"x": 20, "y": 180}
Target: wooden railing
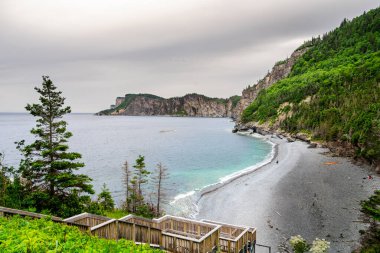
{"x": 171, "y": 233}
{"x": 4, "y": 211}
{"x": 235, "y": 239}
{"x": 87, "y": 219}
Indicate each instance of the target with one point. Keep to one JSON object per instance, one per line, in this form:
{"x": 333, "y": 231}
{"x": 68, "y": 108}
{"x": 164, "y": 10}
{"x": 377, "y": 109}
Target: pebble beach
{"x": 302, "y": 191}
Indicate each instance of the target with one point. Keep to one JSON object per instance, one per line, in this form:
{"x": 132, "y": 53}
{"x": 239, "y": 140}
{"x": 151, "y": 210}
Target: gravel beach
{"x": 306, "y": 193}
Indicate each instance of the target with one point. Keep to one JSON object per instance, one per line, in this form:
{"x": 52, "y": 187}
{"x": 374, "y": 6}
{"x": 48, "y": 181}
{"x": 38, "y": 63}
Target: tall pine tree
{"x": 48, "y": 166}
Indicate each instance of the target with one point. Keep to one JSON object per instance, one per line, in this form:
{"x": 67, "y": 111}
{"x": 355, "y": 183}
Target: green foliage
{"x": 105, "y": 199}
{"x": 141, "y": 173}
{"x": 299, "y": 245}
{"x": 116, "y": 213}
{"x": 340, "y": 74}
{"x": 281, "y": 62}
{"x": 127, "y": 100}
{"x": 235, "y": 100}
{"x": 181, "y": 113}
{"x": 371, "y": 206}
{"x": 48, "y": 167}
{"x": 12, "y": 191}
{"x": 135, "y": 200}
{"x": 42, "y": 235}
{"x": 371, "y": 238}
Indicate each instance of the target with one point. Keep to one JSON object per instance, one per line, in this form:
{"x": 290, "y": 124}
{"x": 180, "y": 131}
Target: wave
{"x": 181, "y": 196}
{"x": 186, "y": 204}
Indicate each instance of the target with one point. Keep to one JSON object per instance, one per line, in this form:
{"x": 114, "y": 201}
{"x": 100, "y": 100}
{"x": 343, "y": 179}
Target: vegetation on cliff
{"x": 189, "y": 105}
{"x": 42, "y": 235}
{"x": 371, "y": 237}
{"x": 127, "y": 100}
{"x": 333, "y": 90}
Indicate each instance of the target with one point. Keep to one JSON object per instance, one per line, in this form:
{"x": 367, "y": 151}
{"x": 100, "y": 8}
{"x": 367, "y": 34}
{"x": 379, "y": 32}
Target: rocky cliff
{"x": 195, "y": 105}
{"x": 279, "y": 71}
{"x": 191, "y": 105}
{"x": 331, "y": 93}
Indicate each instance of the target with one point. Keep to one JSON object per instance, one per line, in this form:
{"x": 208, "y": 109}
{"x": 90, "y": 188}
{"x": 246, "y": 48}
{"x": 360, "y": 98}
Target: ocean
{"x": 198, "y": 152}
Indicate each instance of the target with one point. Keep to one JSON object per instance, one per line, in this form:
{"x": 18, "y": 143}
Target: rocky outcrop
{"x": 192, "y": 105}
{"x": 119, "y": 100}
{"x": 279, "y": 71}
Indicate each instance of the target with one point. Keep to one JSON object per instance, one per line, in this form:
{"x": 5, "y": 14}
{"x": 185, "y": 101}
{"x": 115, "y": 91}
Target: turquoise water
{"x": 197, "y": 151}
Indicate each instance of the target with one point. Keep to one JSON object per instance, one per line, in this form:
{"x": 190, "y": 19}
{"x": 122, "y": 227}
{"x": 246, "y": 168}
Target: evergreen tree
{"x": 105, "y": 199}
{"x": 134, "y": 197}
{"x": 11, "y": 189}
{"x": 48, "y": 166}
{"x": 137, "y": 204}
{"x": 141, "y": 173}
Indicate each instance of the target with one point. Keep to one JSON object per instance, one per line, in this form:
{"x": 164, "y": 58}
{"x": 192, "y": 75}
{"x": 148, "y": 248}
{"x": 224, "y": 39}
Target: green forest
{"x": 333, "y": 90}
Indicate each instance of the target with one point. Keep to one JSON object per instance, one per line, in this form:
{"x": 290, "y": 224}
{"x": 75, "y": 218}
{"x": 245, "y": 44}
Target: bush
{"x": 42, "y": 235}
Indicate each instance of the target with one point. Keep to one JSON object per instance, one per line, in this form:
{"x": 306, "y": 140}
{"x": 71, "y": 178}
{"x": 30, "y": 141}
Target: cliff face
{"x": 279, "y": 71}
{"x": 192, "y": 105}
{"x": 331, "y": 95}
{"x": 195, "y": 105}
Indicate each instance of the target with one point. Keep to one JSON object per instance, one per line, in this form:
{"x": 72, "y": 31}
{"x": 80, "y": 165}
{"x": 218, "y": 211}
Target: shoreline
{"x": 192, "y": 198}
{"x": 307, "y": 193}
{"x": 241, "y": 173}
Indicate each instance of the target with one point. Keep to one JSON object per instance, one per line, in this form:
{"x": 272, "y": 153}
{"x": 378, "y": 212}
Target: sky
{"x": 96, "y": 50}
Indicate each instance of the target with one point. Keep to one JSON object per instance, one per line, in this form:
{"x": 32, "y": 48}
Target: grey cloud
{"x": 211, "y": 47}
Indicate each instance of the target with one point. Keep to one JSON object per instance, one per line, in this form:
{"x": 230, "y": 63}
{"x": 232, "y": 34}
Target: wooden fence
{"x": 171, "y": 233}
{"x": 235, "y": 239}
{"x": 4, "y": 211}
{"x": 88, "y": 219}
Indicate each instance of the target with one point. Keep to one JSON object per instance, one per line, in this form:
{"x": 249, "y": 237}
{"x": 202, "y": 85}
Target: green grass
{"x": 116, "y": 214}
{"x": 42, "y": 235}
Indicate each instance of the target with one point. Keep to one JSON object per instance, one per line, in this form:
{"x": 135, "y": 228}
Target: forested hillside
{"x": 333, "y": 90}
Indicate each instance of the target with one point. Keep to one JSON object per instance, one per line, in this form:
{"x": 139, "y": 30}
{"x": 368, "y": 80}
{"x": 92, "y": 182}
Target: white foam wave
{"x": 186, "y": 203}
{"x": 249, "y": 169}
{"x": 181, "y": 196}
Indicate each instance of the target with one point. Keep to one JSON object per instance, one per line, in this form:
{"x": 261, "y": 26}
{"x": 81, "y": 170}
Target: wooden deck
{"x": 234, "y": 238}
{"x": 174, "y": 234}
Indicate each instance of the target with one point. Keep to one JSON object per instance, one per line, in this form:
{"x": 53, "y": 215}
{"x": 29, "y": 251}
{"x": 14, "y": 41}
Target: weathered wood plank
{"x": 171, "y": 233}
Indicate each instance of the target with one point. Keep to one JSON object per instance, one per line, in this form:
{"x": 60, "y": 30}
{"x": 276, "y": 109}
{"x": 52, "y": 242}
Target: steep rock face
{"x": 119, "y": 100}
{"x": 279, "y": 71}
{"x": 192, "y": 105}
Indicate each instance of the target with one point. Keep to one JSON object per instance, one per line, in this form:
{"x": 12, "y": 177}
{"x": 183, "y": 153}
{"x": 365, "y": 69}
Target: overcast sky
{"x": 95, "y": 50}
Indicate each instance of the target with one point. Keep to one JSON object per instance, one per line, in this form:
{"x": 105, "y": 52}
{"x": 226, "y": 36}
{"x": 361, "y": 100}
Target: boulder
{"x": 290, "y": 139}
{"x": 261, "y": 131}
{"x": 303, "y": 137}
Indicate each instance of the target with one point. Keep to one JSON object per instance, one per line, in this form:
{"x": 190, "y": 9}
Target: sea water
{"x": 197, "y": 152}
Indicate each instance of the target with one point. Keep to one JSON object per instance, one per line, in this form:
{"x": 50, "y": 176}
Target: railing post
{"x": 117, "y": 230}
{"x": 134, "y": 232}
{"x": 149, "y": 235}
